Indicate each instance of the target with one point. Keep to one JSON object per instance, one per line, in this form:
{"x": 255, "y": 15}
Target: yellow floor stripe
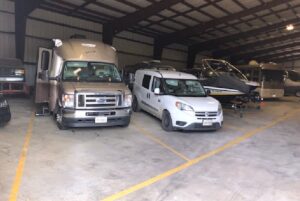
{"x": 19, "y": 172}
{"x": 233, "y": 127}
{"x": 160, "y": 142}
{"x": 170, "y": 172}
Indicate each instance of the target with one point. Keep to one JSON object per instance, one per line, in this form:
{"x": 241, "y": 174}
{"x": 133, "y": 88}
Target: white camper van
{"x": 177, "y": 98}
{"x": 80, "y": 81}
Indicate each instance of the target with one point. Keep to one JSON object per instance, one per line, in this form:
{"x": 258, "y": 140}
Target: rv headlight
{"x": 128, "y": 100}
{"x": 3, "y": 104}
{"x": 184, "y": 107}
{"x": 68, "y": 100}
{"x": 219, "y": 109}
{"x": 19, "y": 72}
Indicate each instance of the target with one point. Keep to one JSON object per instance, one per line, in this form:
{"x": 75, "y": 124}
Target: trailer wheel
{"x": 298, "y": 94}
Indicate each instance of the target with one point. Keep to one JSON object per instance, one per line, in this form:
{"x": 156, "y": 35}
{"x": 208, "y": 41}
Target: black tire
{"x": 135, "y": 105}
{"x": 166, "y": 121}
{"x": 297, "y": 94}
{"x": 58, "y": 118}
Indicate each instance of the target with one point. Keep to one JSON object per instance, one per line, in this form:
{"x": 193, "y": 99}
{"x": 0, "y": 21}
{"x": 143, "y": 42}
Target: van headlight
{"x": 68, "y": 101}
{"x": 184, "y": 107}
{"x": 219, "y": 109}
{"x": 128, "y": 100}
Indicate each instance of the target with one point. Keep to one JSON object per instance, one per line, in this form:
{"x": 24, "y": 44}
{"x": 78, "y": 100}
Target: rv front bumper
{"x": 87, "y": 118}
{"x": 5, "y": 115}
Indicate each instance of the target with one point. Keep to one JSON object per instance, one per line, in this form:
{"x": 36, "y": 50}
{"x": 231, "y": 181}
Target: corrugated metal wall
{"x": 42, "y": 26}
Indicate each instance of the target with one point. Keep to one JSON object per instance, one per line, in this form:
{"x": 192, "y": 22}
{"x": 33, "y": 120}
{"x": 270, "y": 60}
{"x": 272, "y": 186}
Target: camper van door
{"x": 42, "y": 80}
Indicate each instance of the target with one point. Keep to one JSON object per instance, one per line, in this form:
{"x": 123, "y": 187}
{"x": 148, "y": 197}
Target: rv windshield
{"x": 80, "y": 71}
{"x": 225, "y": 67}
{"x": 273, "y": 75}
{"x": 181, "y": 87}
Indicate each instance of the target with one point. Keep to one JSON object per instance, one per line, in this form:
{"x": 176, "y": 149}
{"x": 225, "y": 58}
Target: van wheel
{"x": 166, "y": 121}
{"x": 298, "y": 94}
{"x": 135, "y": 105}
{"x": 58, "y": 119}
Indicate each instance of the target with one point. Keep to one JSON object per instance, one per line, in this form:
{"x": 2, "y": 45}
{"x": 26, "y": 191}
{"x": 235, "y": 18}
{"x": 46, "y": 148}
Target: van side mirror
{"x": 156, "y": 91}
{"x": 208, "y": 92}
{"x": 45, "y": 60}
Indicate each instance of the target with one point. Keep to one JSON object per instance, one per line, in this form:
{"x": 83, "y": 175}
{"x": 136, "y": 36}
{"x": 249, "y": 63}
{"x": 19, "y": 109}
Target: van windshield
{"x": 181, "y": 87}
{"x": 80, "y": 71}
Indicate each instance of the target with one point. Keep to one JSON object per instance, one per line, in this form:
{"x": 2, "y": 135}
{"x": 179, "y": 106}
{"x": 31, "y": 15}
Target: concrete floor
{"x": 93, "y": 164}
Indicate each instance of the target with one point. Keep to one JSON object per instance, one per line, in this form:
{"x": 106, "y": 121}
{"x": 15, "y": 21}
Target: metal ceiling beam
{"x": 22, "y": 10}
{"x": 276, "y": 55}
{"x": 192, "y": 31}
{"x": 213, "y": 44}
{"x": 87, "y": 2}
{"x": 250, "y": 55}
{"x": 120, "y": 24}
{"x": 288, "y": 58}
{"x": 234, "y": 50}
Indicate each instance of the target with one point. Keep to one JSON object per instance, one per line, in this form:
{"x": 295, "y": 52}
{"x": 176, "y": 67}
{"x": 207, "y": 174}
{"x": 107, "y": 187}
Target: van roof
{"x": 170, "y": 74}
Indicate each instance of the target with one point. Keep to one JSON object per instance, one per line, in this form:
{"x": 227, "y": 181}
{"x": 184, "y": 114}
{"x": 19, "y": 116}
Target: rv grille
{"x": 97, "y": 100}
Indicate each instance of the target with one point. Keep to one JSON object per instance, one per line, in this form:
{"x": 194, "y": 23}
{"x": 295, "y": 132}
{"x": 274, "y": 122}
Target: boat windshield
{"x": 182, "y": 87}
{"x": 220, "y": 67}
{"x": 81, "y": 71}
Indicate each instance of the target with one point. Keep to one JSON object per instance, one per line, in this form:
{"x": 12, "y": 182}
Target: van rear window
{"x": 146, "y": 81}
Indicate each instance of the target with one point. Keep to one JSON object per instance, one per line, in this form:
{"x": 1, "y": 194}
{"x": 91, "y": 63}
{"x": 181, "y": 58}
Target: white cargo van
{"x": 177, "y": 98}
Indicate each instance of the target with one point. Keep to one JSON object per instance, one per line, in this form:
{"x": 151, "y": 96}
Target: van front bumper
{"x": 200, "y": 127}
{"x": 86, "y": 118}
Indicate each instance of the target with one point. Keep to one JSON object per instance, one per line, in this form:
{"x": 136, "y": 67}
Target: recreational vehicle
{"x": 269, "y": 75}
{"x": 80, "y": 82}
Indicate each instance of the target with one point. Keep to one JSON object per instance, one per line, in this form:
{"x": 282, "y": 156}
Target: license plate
{"x": 207, "y": 123}
{"x": 100, "y": 120}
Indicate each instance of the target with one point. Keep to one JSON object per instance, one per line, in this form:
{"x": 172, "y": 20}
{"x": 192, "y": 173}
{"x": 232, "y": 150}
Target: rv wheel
{"x": 298, "y": 94}
{"x": 166, "y": 121}
{"x": 59, "y": 120}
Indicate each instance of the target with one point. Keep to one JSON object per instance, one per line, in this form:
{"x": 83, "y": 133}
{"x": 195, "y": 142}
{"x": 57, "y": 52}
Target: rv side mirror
{"x": 45, "y": 60}
{"x": 156, "y": 91}
{"x": 208, "y": 92}
{"x": 43, "y": 75}
{"x": 57, "y": 78}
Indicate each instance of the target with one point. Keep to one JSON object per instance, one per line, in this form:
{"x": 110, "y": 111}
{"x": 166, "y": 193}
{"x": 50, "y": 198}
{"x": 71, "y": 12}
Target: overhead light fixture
{"x": 289, "y": 27}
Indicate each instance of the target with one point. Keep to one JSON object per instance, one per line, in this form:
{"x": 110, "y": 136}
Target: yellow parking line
{"x": 192, "y": 162}
{"x": 19, "y": 172}
{"x": 233, "y": 127}
{"x": 160, "y": 142}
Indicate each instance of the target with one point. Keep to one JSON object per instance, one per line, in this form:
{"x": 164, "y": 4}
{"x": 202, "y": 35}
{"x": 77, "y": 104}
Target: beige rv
{"x": 80, "y": 82}
{"x": 269, "y": 76}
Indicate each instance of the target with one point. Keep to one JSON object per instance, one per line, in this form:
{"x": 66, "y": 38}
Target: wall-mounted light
{"x": 289, "y": 27}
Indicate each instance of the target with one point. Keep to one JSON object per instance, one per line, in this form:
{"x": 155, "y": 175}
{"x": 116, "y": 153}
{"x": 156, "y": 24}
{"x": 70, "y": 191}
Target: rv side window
{"x": 45, "y": 60}
{"x": 146, "y": 81}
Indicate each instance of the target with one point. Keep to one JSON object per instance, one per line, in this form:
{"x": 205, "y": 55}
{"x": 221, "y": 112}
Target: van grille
{"x": 206, "y": 114}
{"x": 98, "y": 100}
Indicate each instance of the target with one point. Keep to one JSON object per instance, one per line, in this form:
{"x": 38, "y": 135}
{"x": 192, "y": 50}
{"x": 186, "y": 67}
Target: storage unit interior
{"x": 251, "y": 158}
